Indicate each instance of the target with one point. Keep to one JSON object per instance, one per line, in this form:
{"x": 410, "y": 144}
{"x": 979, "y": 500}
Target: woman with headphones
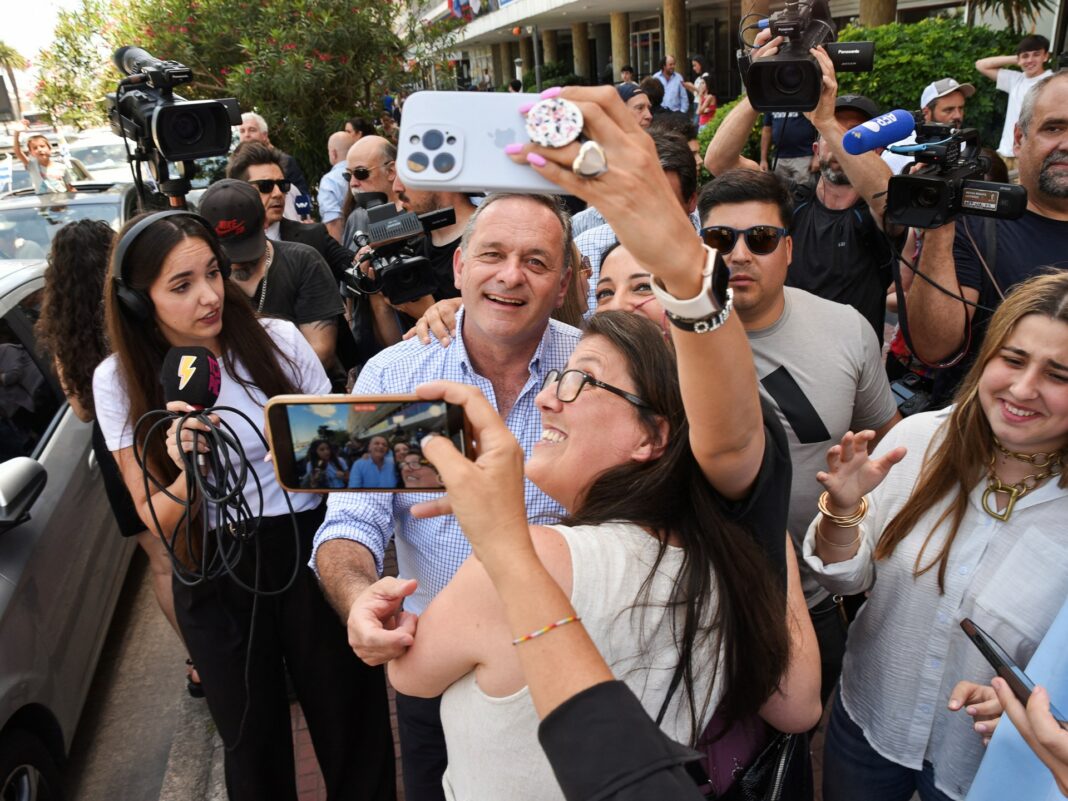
{"x": 169, "y": 288}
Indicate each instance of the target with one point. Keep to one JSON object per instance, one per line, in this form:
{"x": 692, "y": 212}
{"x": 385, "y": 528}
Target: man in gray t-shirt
{"x": 818, "y": 361}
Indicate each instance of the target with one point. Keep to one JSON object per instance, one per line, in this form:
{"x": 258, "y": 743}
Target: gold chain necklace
{"x": 1048, "y": 464}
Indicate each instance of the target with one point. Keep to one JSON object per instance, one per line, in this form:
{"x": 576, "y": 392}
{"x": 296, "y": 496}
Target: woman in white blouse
{"x": 970, "y": 523}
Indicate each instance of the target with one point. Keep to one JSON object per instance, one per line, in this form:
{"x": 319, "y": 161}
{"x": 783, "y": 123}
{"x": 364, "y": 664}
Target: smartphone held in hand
{"x": 454, "y": 142}
{"x": 1003, "y": 664}
{"x": 350, "y": 443}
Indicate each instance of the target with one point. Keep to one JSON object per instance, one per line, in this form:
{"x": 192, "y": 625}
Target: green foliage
{"x": 76, "y": 72}
{"x": 908, "y": 57}
{"x": 11, "y": 60}
{"x": 1020, "y": 15}
{"x": 554, "y": 73}
{"x": 305, "y": 65}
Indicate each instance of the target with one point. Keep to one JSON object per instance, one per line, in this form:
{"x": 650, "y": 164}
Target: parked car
{"x": 34, "y": 219}
{"x": 62, "y": 561}
{"x": 20, "y": 176}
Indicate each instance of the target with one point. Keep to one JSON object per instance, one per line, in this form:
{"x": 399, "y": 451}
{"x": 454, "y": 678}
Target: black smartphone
{"x": 1019, "y": 682}
{"x": 353, "y": 443}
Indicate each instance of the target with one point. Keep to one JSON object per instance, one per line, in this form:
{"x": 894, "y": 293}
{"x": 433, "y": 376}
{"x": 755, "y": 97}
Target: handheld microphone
{"x": 302, "y": 203}
{"x": 879, "y": 132}
{"x": 191, "y": 375}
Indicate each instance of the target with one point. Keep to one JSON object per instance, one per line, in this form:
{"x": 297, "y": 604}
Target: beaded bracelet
{"x": 562, "y": 622}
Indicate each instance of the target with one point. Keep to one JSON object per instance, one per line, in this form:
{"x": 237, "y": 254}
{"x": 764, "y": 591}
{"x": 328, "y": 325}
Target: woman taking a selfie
{"x": 168, "y": 288}
{"x": 968, "y": 523}
{"x": 669, "y": 487}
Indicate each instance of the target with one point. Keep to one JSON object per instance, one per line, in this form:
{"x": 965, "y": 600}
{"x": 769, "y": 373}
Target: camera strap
{"x": 903, "y": 318}
{"x": 990, "y": 234}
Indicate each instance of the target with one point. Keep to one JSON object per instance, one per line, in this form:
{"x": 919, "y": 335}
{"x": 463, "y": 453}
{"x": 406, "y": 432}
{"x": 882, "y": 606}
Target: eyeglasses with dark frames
{"x": 760, "y": 239}
{"x": 569, "y": 384}
{"x": 267, "y": 185}
{"x": 362, "y": 173}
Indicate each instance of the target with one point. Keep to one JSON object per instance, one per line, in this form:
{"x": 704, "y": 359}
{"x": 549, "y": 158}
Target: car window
{"x": 30, "y": 400}
{"x": 26, "y": 233}
{"x": 100, "y": 157}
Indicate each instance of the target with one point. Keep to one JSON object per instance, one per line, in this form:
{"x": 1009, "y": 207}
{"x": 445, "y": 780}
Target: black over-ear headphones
{"x": 136, "y": 301}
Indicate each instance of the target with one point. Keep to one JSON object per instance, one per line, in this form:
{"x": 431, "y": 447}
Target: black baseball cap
{"x": 857, "y": 103}
{"x": 235, "y": 212}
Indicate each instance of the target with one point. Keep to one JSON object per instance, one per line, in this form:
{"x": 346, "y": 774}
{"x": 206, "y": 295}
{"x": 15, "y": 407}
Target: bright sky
{"x": 28, "y": 28}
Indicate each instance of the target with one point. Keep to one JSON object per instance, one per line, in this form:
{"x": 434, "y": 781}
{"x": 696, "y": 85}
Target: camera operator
{"x": 442, "y": 242}
{"x": 839, "y": 252}
{"x": 969, "y": 255}
{"x": 942, "y": 102}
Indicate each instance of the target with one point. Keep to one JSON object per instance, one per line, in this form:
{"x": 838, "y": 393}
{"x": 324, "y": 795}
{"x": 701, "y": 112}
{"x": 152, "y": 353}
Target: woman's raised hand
{"x": 633, "y": 184}
{"x": 851, "y": 474}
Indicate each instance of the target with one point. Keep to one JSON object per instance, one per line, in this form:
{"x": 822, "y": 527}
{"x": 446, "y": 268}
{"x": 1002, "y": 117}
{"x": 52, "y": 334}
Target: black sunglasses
{"x": 569, "y": 384}
{"x": 760, "y": 239}
{"x": 362, "y": 173}
{"x": 267, "y": 185}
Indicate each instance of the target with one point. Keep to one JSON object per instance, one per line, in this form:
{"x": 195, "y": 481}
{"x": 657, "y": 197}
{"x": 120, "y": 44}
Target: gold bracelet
{"x": 843, "y": 521}
{"x": 826, "y": 541}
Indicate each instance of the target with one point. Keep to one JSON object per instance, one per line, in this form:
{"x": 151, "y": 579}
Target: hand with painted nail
{"x": 633, "y": 170}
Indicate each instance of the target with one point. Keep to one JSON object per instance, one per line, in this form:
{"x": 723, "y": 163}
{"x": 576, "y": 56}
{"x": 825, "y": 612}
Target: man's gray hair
{"x": 551, "y": 202}
{"x": 252, "y": 116}
{"x": 1027, "y": 107}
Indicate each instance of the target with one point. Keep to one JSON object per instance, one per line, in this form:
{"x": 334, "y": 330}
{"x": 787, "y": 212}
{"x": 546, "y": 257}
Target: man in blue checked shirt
{"x": 512, "y": 269}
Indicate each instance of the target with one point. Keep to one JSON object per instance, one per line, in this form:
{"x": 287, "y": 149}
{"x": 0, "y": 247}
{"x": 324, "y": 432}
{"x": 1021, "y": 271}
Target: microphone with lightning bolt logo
{"x": 191, "y": 375}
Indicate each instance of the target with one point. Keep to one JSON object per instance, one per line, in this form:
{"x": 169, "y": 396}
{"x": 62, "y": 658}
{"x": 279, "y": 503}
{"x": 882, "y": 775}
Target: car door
{"x": 64, "y": 566}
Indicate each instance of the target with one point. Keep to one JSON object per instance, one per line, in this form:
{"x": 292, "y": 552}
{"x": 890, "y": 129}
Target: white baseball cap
{"x": 943, "y": 87}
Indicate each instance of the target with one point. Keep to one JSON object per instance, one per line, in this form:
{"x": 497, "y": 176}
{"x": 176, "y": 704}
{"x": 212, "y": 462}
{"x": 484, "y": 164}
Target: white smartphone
{"x": 454, "y": 142}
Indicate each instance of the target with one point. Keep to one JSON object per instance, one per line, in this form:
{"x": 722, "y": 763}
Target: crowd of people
{"x": 698, "y": 519}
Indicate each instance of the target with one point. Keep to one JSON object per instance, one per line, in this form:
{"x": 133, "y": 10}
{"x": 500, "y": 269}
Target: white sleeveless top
{"x": 492, "y": 742}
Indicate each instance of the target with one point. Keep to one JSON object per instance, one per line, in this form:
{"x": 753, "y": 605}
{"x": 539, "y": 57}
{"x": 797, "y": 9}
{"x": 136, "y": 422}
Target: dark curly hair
{"x": 71, "y": 325}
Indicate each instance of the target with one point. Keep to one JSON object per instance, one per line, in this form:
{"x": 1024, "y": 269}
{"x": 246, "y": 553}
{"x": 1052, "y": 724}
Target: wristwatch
{"x": 707, "y": 310}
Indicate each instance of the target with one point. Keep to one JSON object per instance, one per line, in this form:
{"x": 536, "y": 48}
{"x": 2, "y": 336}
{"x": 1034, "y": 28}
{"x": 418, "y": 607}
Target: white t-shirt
{"x": 1016, "y": 84}
{"x": 52, "y": 178}
{"x": 113, "y": 411}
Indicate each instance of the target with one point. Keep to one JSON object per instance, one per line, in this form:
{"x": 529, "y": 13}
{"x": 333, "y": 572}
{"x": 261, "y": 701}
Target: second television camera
{"x": 791, "y": 80}
{"x": 949, "y": 182}
{"x": 402, "y": 271}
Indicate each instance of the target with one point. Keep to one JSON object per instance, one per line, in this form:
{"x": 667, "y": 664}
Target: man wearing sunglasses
{"x": 818, "y": 362}
{"x": 839, "y": 250}
{"x": 260, "y": 165}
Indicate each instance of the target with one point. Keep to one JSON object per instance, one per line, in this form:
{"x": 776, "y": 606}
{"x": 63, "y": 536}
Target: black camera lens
{"x": 788, "y": 79}
{"x": 927, "y": 197}
{"x": 414, "y": 139}
{"x": 433, "y": 139}
{"x": 187, "y": 127}
{"x": 450, "y": 140}
{"x": 444, "y": 162}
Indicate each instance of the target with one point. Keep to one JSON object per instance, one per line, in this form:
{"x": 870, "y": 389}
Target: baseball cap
{"x": 235, "y": 212}
{"x": 944, "y": 87}
{"x": 628, "y": 90}
{"x": 857, "y": 103}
